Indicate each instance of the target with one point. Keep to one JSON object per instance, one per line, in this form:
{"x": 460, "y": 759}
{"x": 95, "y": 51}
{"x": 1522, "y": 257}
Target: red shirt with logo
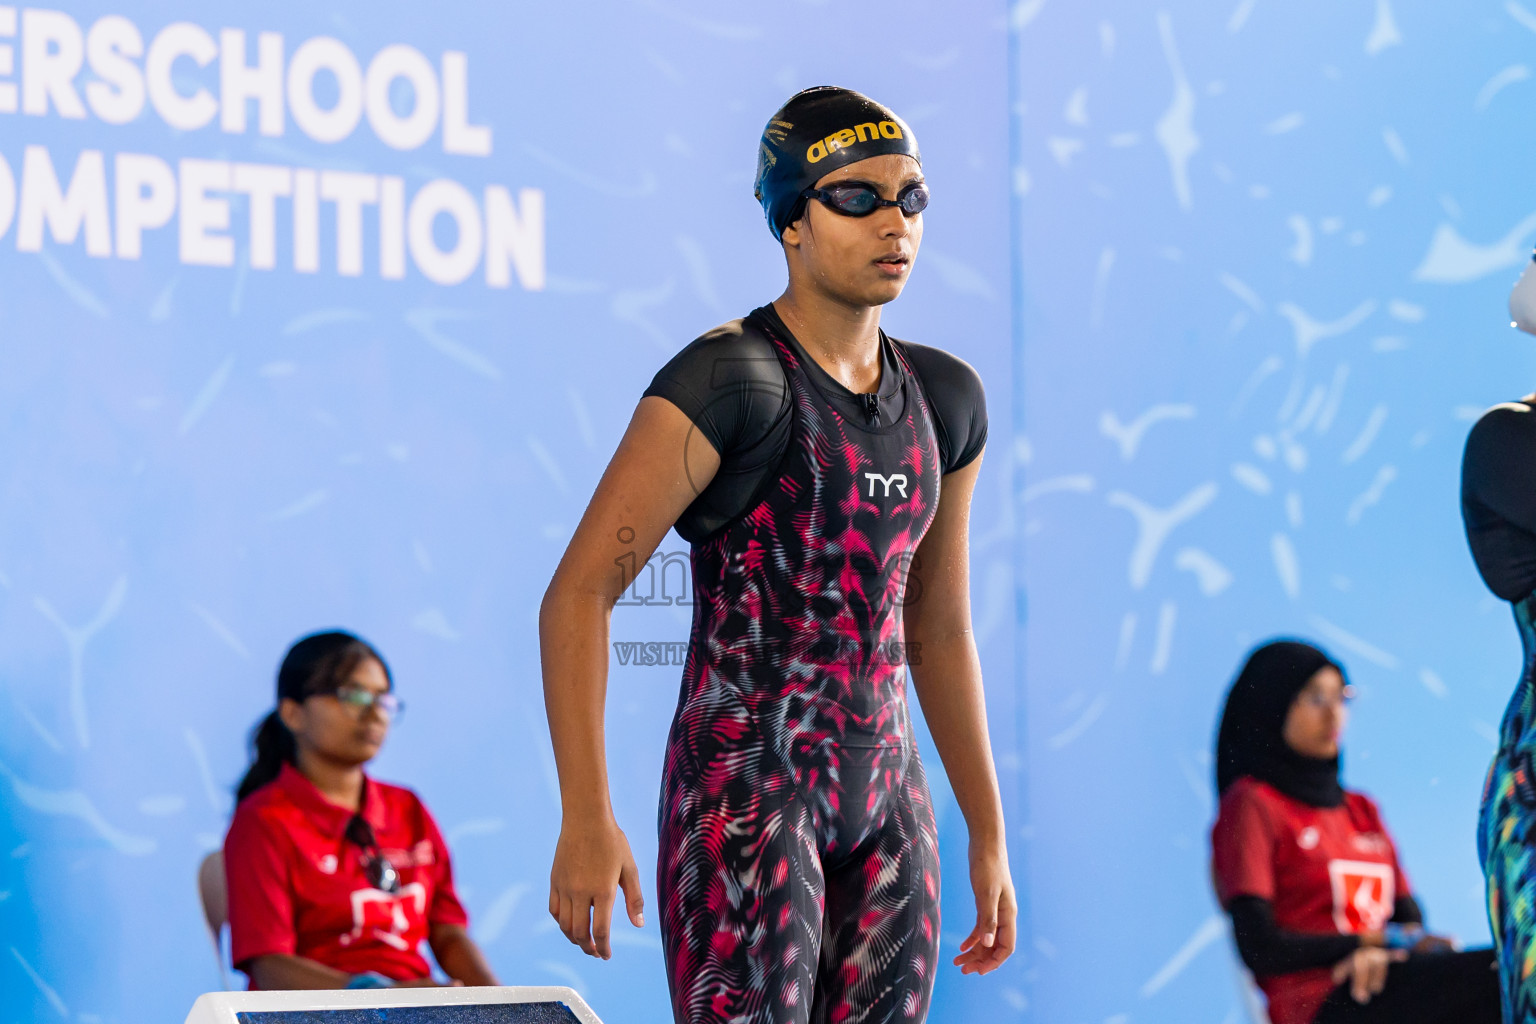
{"x": 297, "y": 885}
{"x": 1322, "y": 869}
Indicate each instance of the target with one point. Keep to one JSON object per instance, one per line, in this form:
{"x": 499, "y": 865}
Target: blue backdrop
{"x": 1249, "y": 298}
{"x": 199, "y": 463}
{"x": 1264, "y": 252}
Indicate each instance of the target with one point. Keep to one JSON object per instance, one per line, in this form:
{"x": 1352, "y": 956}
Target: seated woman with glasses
{"x": 334, "y": 878}
{"x": 1321, "y": 911}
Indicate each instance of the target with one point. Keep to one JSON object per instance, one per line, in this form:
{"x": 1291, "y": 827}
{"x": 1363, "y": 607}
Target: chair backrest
{"x": 213, "y": 891}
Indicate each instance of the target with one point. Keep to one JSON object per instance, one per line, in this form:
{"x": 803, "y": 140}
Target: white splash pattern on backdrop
{"x": 1263, "y": 410}
{"x": 201, "y": 464}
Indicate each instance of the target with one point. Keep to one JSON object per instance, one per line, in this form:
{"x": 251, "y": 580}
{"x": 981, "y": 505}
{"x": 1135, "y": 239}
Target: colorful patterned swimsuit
{"x": 1498, "y": 497}
{"x": 798, "y": 870}
{"x": 1506, "y": 836}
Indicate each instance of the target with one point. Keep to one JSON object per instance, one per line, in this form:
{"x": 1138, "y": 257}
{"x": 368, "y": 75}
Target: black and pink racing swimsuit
{"x": 798, "y": 869}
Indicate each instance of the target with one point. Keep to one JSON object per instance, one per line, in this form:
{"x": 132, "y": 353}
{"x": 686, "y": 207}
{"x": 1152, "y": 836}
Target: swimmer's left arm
{"x": 946, "y": 672}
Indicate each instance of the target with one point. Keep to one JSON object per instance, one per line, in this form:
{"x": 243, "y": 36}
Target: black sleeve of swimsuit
{"x": 1498, "y": 498}
{"x": 959, "y": 403}
{"x": 1406, "y": 910}
{"x": 731, "y": 385}
{"x": 1268, "y": 949}
{"x": 728, "y": 382}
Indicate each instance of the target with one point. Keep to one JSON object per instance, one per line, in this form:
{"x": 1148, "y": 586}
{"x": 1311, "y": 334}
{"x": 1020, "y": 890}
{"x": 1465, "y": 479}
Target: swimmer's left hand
{"x": 992, "y": 940}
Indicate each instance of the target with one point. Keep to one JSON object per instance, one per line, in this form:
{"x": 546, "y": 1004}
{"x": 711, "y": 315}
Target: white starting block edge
{"x": 221, "y": 1007}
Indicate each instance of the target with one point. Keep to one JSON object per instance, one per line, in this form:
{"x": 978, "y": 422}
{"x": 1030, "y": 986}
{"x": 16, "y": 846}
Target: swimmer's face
{"x": 862, "y": 261}
{"x": 338, "y": 731}
{"x": 1315, "y": 723}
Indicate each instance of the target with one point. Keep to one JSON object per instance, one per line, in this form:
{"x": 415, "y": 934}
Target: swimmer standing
{"x": 822, "y": 472}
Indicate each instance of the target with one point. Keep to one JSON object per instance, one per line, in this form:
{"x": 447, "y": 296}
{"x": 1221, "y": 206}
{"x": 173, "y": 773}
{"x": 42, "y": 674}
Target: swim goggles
{"x": 859, "y": 199}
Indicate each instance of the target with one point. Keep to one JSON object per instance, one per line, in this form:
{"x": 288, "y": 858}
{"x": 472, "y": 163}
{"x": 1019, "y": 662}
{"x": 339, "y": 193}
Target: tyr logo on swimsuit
{"x": 899, "y": 480}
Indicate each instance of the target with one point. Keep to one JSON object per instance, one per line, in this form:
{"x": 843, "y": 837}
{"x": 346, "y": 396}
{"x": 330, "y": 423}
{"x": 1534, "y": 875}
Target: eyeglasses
{"x": 381, "y": 874}
{"x": 860, "y": 199}
{"x": 1323, "y": 701}
{"x": 359, "y": 699}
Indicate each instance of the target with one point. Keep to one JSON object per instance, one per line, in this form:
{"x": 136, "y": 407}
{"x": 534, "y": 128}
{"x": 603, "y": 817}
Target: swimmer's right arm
{"x": 660, "y": 466}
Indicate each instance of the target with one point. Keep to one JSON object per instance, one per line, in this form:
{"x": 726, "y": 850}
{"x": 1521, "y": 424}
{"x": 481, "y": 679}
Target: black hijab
{"x": 1250, "y": 740}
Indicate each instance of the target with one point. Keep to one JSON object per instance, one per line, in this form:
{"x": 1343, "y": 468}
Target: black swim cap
{"x": 817, "y": 131}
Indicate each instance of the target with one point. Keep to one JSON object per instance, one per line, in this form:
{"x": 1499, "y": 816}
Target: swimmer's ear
{"x": 795, "y": 233}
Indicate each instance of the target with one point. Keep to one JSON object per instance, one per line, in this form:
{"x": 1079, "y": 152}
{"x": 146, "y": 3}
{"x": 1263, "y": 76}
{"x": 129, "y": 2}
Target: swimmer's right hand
{"x": 592, "y": 861}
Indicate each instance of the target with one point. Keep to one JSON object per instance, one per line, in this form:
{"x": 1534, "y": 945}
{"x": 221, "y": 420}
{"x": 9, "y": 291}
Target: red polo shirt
{"x": 297, "y": 886}
{"x": 1323, "y": 869}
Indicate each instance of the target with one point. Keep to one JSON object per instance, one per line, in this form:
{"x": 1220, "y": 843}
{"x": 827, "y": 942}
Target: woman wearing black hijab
{"x": 1320, "y": 908}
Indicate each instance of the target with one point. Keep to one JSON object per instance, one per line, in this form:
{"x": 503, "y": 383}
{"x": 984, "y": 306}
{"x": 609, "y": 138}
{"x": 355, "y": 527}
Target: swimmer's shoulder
{"x": 939, "y": 368}
{"x": 725, "y": 358}
{"x": 1502, "y": 425}
{"x": 729, "y": 382}
{"x": 1500, "y": 446}
{"x": 958, "y": 399}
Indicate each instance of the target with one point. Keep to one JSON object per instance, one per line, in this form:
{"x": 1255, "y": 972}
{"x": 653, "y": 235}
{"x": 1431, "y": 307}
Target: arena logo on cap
{"x": 849, "y": 136}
